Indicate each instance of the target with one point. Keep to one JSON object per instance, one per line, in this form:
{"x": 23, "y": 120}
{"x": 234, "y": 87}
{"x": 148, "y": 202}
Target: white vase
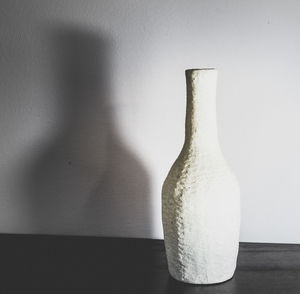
{"x": 200, "y": 196}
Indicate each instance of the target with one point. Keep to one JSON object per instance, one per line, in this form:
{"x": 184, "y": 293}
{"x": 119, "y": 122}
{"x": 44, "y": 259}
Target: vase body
{"x": 200, "y": 196}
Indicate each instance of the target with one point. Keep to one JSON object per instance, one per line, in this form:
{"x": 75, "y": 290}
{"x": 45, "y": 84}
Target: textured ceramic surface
{"x": 200, "y": 196}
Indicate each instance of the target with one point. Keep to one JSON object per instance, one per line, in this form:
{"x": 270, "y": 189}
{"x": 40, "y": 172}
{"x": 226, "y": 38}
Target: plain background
{"x": 93, "y": 103}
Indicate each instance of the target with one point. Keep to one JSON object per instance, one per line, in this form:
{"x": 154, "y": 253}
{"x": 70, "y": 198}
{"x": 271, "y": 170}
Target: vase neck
{"x": 201, "y": 124}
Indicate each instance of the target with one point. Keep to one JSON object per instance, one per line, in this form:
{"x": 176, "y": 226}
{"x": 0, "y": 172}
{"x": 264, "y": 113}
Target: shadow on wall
{"x": 85, "y": 180}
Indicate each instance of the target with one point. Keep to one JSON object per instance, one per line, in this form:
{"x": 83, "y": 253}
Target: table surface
{"x": 66, "y": 264}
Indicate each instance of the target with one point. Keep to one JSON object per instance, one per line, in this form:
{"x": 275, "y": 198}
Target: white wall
{"x": 93, "y": 102}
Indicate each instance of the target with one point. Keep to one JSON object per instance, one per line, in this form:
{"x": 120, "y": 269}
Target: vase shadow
{"x": 85, "y": 180}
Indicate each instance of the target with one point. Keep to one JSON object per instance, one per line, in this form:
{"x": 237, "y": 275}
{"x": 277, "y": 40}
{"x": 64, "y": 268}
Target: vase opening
{"x": 199, "y": 69}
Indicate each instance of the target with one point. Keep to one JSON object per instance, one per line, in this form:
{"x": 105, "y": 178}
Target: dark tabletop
{"x": 64, "y": 264}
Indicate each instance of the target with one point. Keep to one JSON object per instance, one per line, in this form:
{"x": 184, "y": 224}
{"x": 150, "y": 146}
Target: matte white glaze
{"x": 200, "y": 196}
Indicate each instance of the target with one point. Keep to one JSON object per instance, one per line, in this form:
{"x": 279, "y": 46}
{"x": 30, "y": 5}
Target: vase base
{"x": 213, "y": 282}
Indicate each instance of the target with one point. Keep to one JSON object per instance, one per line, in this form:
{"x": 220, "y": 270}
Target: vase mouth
{"x": 199, "y": 69}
